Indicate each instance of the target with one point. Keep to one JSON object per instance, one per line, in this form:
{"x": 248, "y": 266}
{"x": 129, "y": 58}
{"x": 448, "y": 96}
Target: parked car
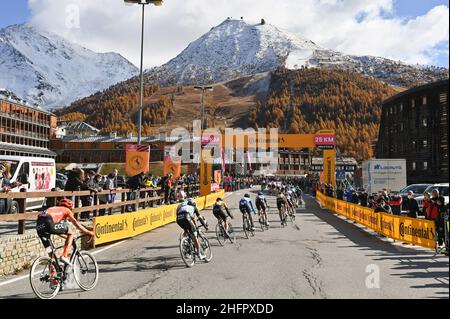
{"x": 443, "y": 191}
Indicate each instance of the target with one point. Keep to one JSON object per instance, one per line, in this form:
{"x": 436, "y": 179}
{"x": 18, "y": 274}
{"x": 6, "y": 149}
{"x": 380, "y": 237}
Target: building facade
{"x": 75, "y": 129}
{"x": 25, "y": 130}
{"x": 414, "y": 126}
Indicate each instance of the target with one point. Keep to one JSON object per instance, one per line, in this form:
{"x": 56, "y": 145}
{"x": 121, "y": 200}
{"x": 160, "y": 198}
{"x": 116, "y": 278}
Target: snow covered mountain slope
{"x": 45, "y": 69}
{"x": 235, "y": 49}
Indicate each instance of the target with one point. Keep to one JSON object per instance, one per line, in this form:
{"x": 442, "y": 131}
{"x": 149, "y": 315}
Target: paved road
{"x": 320, "y": 256}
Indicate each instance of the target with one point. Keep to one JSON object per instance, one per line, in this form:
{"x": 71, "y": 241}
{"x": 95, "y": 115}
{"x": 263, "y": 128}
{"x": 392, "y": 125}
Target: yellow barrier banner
{"x": 117, "y": 227}
{"x": 409, "y": 230}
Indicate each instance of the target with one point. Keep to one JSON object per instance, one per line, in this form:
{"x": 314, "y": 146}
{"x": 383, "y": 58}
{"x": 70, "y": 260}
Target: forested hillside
{"x": 305, "y": 101}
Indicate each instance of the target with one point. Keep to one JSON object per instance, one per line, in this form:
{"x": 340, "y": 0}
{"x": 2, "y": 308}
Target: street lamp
{"x": 203, "y": 88}
{"x": 141, "y": 89}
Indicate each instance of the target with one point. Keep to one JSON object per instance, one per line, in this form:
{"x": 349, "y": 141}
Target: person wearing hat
{"x": 411, "y": 205}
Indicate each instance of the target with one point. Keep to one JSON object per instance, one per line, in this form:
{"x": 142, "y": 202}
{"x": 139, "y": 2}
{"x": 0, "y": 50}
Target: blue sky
{"x": 186, "y": 27}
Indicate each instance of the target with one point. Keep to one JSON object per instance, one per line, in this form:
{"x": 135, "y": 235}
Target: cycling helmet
{"x": 66, "y": 203}
{"x": 191, "y": 202}
{"x": 247, "y": 195}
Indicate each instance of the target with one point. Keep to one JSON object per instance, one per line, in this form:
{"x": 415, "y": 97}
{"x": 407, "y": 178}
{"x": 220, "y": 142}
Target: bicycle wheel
{"x": 204, "y": 244}
{"x": 85, "y": 270}
{"x": 187, "y": 252}
{"x": 246, "y": 227}
{"x": 231, "y": 233}
{"x": 292, "y": 214}
{"x": 221, "y": 237}
{"x": 261, "y": 223}
{"x": 44, "y": 279}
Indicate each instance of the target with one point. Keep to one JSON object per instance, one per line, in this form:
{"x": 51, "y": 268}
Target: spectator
{"x": 355, "y": 197}
{"x": 411, "y": 205}
{"x": 168, "y": 185}
{"x": 364, "y": 199}
{"x": 90, "y": 184}
{"x": 5, "y": 187}
{"x": 437, "y": 208}
{"x": 426, "y": 203}
{"x": 108, "y": 185}
{"x": 136, "y": 182}
{"x": 340, "y": 193}
{"x": 395, "y": 201}
{"x": 383, "y": 206}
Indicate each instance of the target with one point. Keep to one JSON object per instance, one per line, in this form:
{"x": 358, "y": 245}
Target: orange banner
{"x": 173, "y": 167}
{"x": 137, "y": 159}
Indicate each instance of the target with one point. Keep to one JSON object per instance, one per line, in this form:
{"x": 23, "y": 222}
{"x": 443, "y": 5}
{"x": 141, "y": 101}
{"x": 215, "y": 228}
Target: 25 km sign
{"x": 324, "y": 141}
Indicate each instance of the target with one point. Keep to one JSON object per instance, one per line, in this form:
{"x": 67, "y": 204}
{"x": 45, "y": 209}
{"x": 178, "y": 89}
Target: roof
{"x": 26, "y": 149}
{"x": 24, "y": 104}
{"x": 418, "y": 89}
{"x": 80, "y": 126}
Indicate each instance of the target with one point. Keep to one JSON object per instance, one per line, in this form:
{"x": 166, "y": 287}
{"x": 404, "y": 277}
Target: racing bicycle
{"x": 48, "y": 275}
{"x": 222, "y": 235}
{"x": 188, "y": 250}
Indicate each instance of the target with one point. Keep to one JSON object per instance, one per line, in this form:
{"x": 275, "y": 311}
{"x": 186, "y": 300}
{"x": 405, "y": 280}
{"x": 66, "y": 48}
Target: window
{"x": 401, "y": 127}
{"x": 413, "y": 166}
{"x": 425, "y": 165}
{"x": 424, "y": 143}
{"x": 413, "y": 103}
{"x": 401, "y": 107}
{"x": 414, "y": 145}
{"x": 424, "y": 122}
{"x": 424, "y": 100}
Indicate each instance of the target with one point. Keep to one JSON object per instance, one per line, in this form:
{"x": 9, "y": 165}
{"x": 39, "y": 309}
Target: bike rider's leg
{"x": 65, "y": 255}
{"x": 251, "y": 219}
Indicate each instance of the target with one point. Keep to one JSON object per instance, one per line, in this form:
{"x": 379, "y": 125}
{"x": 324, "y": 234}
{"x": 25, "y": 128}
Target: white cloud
{"x": 351, "y": 26}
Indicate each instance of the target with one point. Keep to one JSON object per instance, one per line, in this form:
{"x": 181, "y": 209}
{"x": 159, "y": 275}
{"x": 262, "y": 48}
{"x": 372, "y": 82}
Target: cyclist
{"x": 53, "y": 221}
{"x": 246, "y": 207}
{"x": 218, "y": 212}
{"x": 185, "y": 219}
{"x": 299, "y": 193}
{"x": 281, "y": 204}
{"x": 261, "y": 206}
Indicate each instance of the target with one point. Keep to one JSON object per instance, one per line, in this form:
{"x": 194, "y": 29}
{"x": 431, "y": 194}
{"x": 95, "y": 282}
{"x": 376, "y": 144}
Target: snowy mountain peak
{"x": 46, "y": 69}
{"x": 235, "y": 48}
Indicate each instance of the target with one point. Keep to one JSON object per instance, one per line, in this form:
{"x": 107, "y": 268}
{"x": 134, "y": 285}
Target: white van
{"x": 37, "y": 174}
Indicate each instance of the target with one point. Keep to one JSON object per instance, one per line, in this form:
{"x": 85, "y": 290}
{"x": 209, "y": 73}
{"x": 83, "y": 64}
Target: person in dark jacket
{"x": 383, "y": 206}
{"x": 363, "y": 199}
{"x": 436, "y": 212}
{"x": 134, "y": 183}
{"x": 411, "y": 205}
{"x": 75, "y": 180}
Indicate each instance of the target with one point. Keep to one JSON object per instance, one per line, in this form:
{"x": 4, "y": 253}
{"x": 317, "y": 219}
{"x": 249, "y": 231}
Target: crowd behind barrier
{"x": 96, "y": 195}
{"x": 433, "y": 207}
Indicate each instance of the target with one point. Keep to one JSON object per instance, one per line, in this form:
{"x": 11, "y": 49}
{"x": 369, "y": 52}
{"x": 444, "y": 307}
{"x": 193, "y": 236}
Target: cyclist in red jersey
{"x": 54, "y": 221}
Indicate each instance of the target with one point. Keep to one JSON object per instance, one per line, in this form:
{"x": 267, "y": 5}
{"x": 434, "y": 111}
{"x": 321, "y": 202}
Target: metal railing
{"x": 141, "y": 198}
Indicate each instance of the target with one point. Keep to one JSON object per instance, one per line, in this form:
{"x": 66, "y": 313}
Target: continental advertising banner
{"x": 116, "y": 227}
{"x": 409, "y": 230}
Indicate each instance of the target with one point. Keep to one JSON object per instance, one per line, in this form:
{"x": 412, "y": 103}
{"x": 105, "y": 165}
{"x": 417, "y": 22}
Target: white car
{"x": 443, "y": 191}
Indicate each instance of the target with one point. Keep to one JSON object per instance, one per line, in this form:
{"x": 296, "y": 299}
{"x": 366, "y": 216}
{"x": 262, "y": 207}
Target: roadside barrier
{"x": 409, "y": 230}
{"x": 116, "y": 227}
